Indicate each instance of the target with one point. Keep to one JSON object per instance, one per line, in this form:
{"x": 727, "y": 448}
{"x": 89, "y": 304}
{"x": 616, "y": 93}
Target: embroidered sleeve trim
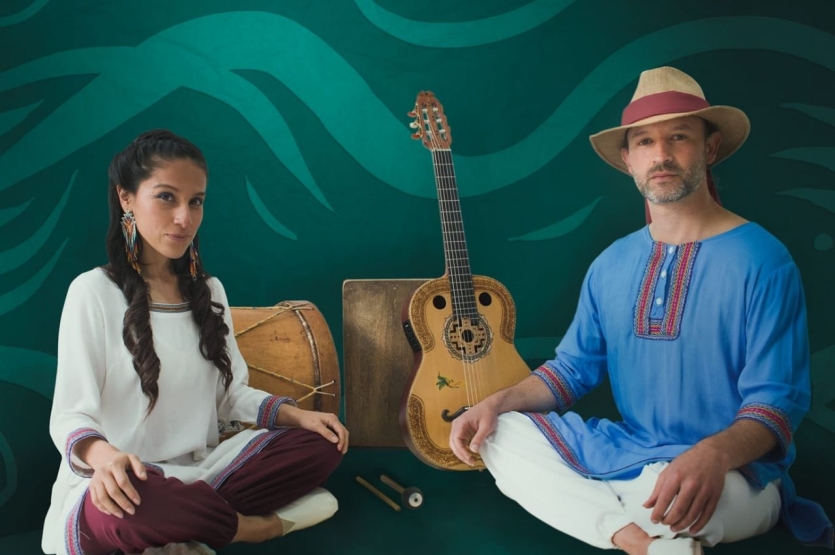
{"x": 268, "y": 411}
{"x": 557, "y": 441}
{"x": 72, "y": 439}
{"x": 558, "y": 386}
{"x": 773, "y": 418}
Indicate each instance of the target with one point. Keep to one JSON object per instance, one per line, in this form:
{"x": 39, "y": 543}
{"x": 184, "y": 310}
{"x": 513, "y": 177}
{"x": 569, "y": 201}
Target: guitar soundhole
{"x": 485, "y": 299}
{"x": 439, "y": 302}
{"x": 466, "y": 338}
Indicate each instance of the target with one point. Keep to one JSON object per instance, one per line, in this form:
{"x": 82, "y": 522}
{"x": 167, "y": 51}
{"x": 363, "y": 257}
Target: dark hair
{"x": 130, "y": 167}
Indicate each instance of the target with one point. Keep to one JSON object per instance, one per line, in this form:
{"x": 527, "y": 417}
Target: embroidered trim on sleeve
{"x": 72, "y": 439}
{"x": 268, "y": 411}
{"x": 773, "y": 418}
{"x": 555, "y": 438}
{"x": 558, "y": 386}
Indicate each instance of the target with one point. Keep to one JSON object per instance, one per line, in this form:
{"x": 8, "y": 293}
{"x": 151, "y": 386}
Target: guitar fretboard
{"x": 455, "y": 244}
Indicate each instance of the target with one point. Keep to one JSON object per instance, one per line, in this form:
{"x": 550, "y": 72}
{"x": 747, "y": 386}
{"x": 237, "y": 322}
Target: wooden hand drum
{"x": 289, "y": 350}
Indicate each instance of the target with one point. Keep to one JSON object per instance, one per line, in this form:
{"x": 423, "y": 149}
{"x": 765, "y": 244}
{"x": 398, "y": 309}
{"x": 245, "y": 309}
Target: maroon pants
{"x": 291, "y": 465}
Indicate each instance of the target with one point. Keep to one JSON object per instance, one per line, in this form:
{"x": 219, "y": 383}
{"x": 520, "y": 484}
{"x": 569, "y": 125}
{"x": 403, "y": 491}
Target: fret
{"x": 455, "y": 244}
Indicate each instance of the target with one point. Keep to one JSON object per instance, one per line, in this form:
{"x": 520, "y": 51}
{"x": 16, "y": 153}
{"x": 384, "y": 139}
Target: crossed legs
{"x": 241, "y": 509}
{"x": 530, "y": 471}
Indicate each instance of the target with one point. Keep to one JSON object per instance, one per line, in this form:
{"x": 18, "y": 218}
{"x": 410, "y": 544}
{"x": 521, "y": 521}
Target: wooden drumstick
{"x": 411, "y": 497}
{"x": 379, "y": 494}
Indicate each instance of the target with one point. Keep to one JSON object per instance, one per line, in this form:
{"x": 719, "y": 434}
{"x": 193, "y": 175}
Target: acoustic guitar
{"x": 460, "y": 326}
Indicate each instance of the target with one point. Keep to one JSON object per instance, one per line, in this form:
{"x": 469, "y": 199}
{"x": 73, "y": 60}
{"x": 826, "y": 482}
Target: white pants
{"x": 530, "y": 471}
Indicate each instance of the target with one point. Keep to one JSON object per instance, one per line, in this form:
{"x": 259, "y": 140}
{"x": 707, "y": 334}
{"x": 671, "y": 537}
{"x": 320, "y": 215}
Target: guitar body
{"x": 458, "y": 362}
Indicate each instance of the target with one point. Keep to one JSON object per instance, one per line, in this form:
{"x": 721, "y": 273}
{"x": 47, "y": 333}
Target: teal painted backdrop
{"x": 300, "y": 108}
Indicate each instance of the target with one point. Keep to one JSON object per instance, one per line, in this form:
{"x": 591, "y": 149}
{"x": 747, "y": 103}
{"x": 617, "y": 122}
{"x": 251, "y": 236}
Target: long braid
{"x": 127, "y": 170}
{"x": 139, "y": 338}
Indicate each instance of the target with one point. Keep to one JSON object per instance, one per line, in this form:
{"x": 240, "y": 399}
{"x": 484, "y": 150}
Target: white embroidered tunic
{"x": 98, "y": 393}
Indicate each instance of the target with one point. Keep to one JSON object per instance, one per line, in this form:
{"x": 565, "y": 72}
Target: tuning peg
{"x": 416, "y": 136}
{"x": 412, "y": 114}
{"x": 414, "y": 125}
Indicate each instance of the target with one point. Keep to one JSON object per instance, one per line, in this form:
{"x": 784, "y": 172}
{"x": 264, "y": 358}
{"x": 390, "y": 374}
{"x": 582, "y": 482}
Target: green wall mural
{"x": 300, "y": 108}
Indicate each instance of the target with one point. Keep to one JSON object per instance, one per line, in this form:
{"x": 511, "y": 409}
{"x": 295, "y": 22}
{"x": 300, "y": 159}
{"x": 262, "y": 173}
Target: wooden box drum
{"x": 289, "y": 350}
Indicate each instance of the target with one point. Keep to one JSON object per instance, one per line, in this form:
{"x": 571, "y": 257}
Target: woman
{"x": 149, "y": 374}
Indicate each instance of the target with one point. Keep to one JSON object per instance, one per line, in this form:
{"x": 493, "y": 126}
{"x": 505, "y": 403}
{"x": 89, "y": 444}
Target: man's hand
{"x": 323, "y": 423}
{"x": 690, "y": 487}
{"x": 110, "y": 488}
{"x": 470, "y": 429}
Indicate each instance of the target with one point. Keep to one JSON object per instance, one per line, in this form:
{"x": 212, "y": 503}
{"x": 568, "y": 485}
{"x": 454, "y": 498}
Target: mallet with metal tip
{"x": 412, "y": 497}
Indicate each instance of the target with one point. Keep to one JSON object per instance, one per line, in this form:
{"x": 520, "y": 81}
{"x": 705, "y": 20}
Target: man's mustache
{"x": 666, "y": 167}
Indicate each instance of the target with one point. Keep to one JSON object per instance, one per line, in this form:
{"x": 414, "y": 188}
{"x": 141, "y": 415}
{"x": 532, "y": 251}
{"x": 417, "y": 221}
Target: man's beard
{"x": 690, "y": 182}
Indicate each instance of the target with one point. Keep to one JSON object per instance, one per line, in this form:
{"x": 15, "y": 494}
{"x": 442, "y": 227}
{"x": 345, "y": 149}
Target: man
{"x": 699, "y": 321}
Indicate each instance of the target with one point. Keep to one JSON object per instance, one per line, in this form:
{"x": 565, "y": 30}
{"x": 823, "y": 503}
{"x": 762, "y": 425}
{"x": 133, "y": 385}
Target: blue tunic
{"x": 692, "y": 337}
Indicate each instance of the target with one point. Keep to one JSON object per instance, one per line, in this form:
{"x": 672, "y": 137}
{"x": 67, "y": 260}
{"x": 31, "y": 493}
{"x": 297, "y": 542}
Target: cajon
{"x": 377, "y": 358}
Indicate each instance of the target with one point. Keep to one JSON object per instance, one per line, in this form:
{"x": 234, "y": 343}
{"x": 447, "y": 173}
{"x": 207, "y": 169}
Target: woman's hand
{"x": 323, "y": 423}
{"x": 111, "y": 490}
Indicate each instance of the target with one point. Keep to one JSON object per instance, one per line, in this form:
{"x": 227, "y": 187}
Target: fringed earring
{"x": 131, "y": 247}
{"x": 192, "y": 266}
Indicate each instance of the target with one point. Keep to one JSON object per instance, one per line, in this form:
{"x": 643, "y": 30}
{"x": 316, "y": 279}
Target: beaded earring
{"x": 192, "y": 266}
{"x": 131, "y": 246}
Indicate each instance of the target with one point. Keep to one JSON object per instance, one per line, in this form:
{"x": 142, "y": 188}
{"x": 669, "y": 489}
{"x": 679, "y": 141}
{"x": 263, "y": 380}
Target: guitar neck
{"x": 455, "y": 244}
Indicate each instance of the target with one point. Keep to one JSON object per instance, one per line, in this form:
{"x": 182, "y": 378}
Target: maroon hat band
{"x": 671, "y": 102}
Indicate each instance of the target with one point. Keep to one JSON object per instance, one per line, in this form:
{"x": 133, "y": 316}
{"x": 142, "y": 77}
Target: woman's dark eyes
{"x": 169, "y": 197}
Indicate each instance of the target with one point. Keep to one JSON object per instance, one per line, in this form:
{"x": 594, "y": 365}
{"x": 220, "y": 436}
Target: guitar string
{"x": 431, "y": 124}
{"x": 444, "y": 200}
{"x": 459, "y": 277}
{"x": 466, "y": 288}
{"x": 466, "y": 291}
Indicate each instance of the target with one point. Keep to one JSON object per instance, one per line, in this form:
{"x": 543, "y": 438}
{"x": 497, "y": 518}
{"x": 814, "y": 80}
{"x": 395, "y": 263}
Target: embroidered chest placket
{"x": 663, "y": 291}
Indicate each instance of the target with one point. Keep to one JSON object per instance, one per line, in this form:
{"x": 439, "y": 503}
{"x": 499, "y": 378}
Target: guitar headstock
{"x": 430, "y": 122}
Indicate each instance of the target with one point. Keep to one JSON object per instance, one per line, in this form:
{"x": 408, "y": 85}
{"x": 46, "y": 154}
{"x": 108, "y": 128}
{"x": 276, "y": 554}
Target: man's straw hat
{"x": 666, "y": 93}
